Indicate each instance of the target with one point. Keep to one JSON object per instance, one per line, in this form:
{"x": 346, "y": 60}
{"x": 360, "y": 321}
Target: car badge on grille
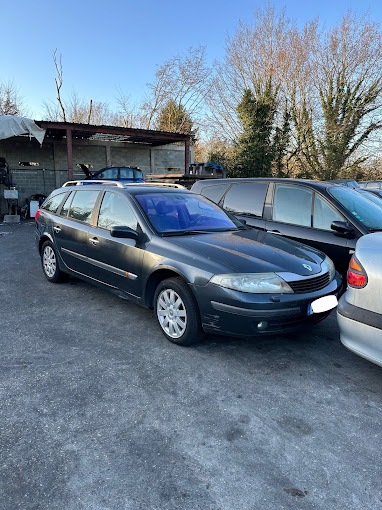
{"x": 308, "y": 267}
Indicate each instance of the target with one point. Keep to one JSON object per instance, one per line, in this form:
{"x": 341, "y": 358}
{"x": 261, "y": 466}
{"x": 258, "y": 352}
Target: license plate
{"x": 322, "y": 304}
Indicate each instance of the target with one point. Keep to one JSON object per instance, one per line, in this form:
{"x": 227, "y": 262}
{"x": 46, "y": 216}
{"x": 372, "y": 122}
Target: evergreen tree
{"x": 261, "y": 147}
{"x": 174, "y": 118}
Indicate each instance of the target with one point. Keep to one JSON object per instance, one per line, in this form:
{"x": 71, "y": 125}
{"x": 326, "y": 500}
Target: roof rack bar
{"x": 124, "y": 185}
{"x": 90, "y": 181}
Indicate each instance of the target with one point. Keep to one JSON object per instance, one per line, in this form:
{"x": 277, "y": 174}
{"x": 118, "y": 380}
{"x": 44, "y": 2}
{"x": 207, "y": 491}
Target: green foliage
{"x": 174, "y": 118}
{"x": 261, "y": 147}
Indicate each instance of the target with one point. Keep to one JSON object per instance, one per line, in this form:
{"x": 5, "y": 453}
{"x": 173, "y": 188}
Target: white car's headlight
{"x": 254, "y": 283}
{"x": 332, "y": 269}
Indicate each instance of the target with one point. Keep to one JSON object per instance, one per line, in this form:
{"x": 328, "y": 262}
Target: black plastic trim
{"x": 357, "y": 314}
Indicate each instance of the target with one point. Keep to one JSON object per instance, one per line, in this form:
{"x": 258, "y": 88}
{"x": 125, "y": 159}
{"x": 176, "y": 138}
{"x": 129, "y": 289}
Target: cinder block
{"x": 12, "y": 218}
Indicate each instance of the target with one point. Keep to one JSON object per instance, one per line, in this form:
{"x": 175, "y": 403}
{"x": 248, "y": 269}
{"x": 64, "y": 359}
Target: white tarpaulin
{"x": 10, "y": 125}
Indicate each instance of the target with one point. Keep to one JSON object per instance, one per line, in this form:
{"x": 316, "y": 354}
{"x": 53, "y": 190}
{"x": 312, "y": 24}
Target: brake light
{"x": 37, "y": 215}
{"x": 356, "y": 275}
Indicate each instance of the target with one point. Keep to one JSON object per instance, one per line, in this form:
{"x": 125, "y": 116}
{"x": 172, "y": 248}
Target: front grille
{"x": 310, "y": 284}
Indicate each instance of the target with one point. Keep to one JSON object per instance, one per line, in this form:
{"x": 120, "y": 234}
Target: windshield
{"x": 365, "y": 211}
{"x": 185, "y": 212}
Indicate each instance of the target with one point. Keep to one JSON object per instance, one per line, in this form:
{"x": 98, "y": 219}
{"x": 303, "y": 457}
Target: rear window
{"x": 82, "y": 205}
{"x": 52, "y": 204}
{"x": 246, "y": 198}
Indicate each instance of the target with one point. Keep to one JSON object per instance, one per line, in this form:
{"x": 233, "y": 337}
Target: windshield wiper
{"x": 191, "y": 232}
{"x": 375, "y": 229}
{"x": 185, "y": 232}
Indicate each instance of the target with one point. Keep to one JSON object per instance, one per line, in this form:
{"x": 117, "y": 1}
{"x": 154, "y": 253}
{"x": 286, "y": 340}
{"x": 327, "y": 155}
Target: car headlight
{"x": 332, "y": 269}
{"x": 254, "y": 283}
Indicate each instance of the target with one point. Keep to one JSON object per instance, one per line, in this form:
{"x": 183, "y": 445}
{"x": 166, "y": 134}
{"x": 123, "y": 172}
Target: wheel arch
{"x": 158, "y": 276}
{"x": 45, "y": 237}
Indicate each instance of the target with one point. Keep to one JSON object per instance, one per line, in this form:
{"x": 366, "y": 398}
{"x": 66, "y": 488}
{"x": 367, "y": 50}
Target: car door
{"x": 115, "y": 261}
{"x": 246, "y": 201}
{"x": 304, "y": 215}
{"x": 71, "y": 226}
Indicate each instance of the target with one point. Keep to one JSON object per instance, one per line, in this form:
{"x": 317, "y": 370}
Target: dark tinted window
{"x": 110, "y": 173}
{"x": 52, "y": 204}
{"x": 126, "y": 173}
{"x": 293, "y": 204}
{"x": 171, "y": 212}
{"x": 246, "y": 198}
{"x": 214, "y": 193}
{"x": 116, "y": 211}
{"x": 65, "y": 207}
{"x": 82, "y": 205}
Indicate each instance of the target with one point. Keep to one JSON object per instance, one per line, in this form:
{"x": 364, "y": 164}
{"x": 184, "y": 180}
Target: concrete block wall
{"x": 52, "y": 170}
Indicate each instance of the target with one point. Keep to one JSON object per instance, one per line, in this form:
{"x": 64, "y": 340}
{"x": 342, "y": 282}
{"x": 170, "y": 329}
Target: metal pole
{"x": 186, "y": 155}
{"x": 69, "y": 153}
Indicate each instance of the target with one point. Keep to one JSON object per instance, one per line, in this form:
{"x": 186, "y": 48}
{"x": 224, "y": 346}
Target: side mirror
{"x": 124, "y": 232}
{"x": 342, "y": 227}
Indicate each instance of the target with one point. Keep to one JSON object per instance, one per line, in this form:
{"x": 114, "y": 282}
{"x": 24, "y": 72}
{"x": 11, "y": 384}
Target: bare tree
{"x": 185, "y": 80}
{"x": 11, "y": 102}
{"x": 58, "y": 82}
{"x": 346, "y": 82}
{"x": 254, "y": 55}
{"x": 331, "y": 81}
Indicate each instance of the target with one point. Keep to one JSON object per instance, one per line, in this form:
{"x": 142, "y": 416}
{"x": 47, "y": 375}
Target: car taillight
{"x": 37, "y": 215}
{"x": 356, "y": 276}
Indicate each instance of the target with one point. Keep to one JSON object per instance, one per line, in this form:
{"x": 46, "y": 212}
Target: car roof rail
{"x": 93, "y": 181}
{"x": 120, "y": 184}
{"x": 160, "y": 184}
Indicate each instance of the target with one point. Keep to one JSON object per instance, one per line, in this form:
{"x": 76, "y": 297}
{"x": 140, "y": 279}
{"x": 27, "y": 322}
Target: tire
{"x": 177, "y": 312}
{"x": 49, "y": 262}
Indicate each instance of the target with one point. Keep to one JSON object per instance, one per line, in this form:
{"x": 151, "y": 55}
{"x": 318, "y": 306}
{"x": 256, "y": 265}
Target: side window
{"x": 53, "y": 203}
{"x": 65, "y": 207}
{"x": 324, "y": 214}
{"x": 82, "y": 205}
{"x": 115, "y": 211}
{"x": 292, "y": 204}
{"x": 214, "y": 193}
{"x": 126, "y": 173}
{"x": 110, "y": 173}
{"x": 246, "y": 198}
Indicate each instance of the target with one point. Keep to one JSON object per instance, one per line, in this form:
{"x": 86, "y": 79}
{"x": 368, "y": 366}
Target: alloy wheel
{"x": 171, "y": 312}
{"x": 49, "y": 261}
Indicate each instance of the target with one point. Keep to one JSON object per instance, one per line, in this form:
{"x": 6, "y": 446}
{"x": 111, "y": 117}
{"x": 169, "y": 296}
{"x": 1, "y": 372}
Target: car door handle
{"x": 274, "y": 232}
{"x": 93, "y": 240}
{"x": 57, "y": 229}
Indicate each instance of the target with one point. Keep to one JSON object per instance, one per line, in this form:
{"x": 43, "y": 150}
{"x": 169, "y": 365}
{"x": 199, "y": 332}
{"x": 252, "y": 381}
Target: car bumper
{"x": 225, "y": 311}
{"x": 360, "y": 331}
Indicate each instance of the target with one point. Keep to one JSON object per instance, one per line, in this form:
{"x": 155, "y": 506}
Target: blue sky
{"x": 116, "y": 45}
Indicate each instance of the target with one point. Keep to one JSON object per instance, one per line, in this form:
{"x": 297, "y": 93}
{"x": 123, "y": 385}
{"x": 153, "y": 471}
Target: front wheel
{"x": 177, "y": 312}
{"x": 50, "y": 263}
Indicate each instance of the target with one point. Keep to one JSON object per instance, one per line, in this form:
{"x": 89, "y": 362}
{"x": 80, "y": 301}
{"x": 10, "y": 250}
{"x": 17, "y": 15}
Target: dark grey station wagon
{"x": 198, "y": 267}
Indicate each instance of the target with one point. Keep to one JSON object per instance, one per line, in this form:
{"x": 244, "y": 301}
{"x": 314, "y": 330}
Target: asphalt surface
{"x": 99, "y": 411}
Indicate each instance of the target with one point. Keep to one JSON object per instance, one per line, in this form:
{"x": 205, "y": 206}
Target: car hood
{"x": 252, "y": 251}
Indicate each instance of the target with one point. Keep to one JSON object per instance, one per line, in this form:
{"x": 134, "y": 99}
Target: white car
{"x": 359, "y": 311}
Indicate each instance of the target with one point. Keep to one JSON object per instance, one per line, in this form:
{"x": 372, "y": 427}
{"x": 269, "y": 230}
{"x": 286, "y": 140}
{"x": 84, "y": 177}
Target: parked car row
{"x": 200, "y": 268}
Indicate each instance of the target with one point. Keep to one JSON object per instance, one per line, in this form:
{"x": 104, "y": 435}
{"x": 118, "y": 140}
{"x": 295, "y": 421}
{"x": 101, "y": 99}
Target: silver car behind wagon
{"x": 359, "y": 311}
